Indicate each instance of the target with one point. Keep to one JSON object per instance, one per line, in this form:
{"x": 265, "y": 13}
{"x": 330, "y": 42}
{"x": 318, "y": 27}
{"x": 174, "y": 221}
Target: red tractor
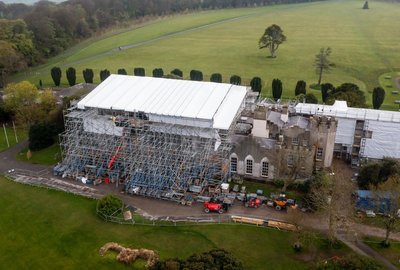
{"x": 253, "y": 203}
{"x": 215, "y": 206}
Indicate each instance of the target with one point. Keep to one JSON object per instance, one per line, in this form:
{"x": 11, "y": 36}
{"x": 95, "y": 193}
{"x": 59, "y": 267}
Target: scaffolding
{"x": 155, "y": 159}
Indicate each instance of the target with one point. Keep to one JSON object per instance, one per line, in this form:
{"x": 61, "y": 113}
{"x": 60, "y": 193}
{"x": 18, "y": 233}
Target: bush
{"x": 214, "y": 259}
{"x": 88, "y": 75}
{"x": 300, "y": 88}
{"x": 196, "y": 75}
{"x": 158, "y": 73}
{"x": 109, "y": 205}
{"x": 276, "y": 89}
{"x": 56, "y": 75}
{"x": 256, "y": 84}
{"x": 71, "y": 76}
{"x": 235, "y": 79}
{"x": 216, "y": 77}
{"x": 139, "y": 71}
{"x": 122, "y": 71}
{"x": 104, "y": 74}
{"x": 177, "y": 72}
{"x": 41, "y": 135}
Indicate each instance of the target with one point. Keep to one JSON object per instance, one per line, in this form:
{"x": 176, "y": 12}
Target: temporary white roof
{"x": 340, "y": 109}
{"x": 203, "y": 104}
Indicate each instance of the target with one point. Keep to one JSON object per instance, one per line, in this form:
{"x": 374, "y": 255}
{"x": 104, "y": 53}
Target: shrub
{"x": 235, "y": 79}
{"x": 196, "y": 75}
{"x": 216, "y": 77}
{"x": 158, "y": 73}
{"x": 41, "y": 135}
{"x": 71, "y": 76}
{"x": 177, "y": 72}
{"x": 104, "y": 74}
{"x": 88, "y": 75}
{"x": 109, "y": 205}
{"x": 256, "y": 84}
{"x": 56, "y": 75}
{"x": 300, "y": 88}
{"x": 276, "y": 89}
{"x": 139, "y": 71}
{"x": 122, "y": 71}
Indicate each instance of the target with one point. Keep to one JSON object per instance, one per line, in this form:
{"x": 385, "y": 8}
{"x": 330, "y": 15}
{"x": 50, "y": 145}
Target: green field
{"x": 392, "y": 253}
{"x": 46, "y": 229}
{"x": 365, "y": 44}
{"x": 12, "y": 140}
{"x": 48, "y": 156}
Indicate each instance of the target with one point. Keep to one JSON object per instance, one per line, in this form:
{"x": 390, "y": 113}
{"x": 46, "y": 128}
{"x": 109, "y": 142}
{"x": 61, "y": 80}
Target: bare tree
{"x": 388, "y": 202}
{"x": 330, "y": 195}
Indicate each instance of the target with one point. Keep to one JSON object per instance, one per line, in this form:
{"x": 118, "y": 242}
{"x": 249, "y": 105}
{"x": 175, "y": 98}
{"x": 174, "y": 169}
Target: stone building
{"x": 275, "y": 143}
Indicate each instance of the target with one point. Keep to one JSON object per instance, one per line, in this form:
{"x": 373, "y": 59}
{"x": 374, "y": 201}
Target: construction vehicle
{"x": 215, "y": 206}
{"x": 282, "y": 203}
{"x": 253, "y": 203}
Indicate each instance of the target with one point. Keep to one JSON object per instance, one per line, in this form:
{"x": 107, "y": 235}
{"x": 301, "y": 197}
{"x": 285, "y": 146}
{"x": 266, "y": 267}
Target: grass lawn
{"x": 21, "y": 135}
{"x": 48, "y": 156}
{"x": 46, "y": 229}
{"x": 391, "y": 253}
{"x": 365, "y": 44}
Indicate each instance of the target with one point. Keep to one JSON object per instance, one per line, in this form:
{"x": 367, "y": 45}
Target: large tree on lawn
{"x": 322, "y": 62}
{"x": 272, "y": 38}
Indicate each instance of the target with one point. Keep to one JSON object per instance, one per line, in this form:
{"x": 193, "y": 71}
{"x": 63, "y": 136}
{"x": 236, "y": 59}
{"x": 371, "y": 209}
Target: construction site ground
{"x": 154, "y": 209}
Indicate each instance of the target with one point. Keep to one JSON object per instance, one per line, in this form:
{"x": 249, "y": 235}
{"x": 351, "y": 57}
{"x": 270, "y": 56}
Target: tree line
{"x": 31, "y": 33}
{"x": 347, "y": 91}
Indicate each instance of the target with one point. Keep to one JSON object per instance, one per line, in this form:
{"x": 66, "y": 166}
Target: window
{"x": 290, "y": 160}
{"x": 305, "y": 142}
{"x": 234, "y": 161}
{"x": 320, "y": 152}
{"x": 264, "y": 169}
{"x": 295, "y": 141}
{"x": 249, "y": 166}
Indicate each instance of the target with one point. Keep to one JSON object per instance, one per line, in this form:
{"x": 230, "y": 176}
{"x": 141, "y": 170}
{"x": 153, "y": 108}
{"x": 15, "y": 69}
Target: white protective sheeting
{"x": 340, "y": 109}
{"x": 383, "y": 142}
{"x": 345, "y": 131}
{"x": 192, "y": 103}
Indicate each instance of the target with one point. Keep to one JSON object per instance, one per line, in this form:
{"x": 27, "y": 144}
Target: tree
{"x": 322, "y": 62}
{"x": 158, "y": 73}
{"x": 365, "y": 6}
{"x": 388, "y": 196}
{"x": 235, "y": 79}
{"x": 374, "y": 174}
{"x": 104, "y": 74}
{"x": 71, "y": 76}
{"x": 88, "y": 75}
{"x": 325, "y": 88}
{"x": 271, "y": 39}
{"x": 300, "y": 88}
{"x": 56, "y": 75}
{"x": 378, "y": 96}
{"x": 311, "y": 98}
{"x": 139, "y": 71}
{"x": 109, "y": 205}
{"x": 214, "y": 259}
{"x": 21, "y": 100}
{"x": 196, "y": 75}
{"x": 177, "y": 72}
{"x": 10, "y": 61}
{"x": 256, "y": 84}
{"x": 330, "y": 195}
{"x": 216, "y": 77}
{"x": 41, "y": 135}
{"x": 122, "y": 71}
{"x": 276, "y": 89}
{"x": 349, "y": 92}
